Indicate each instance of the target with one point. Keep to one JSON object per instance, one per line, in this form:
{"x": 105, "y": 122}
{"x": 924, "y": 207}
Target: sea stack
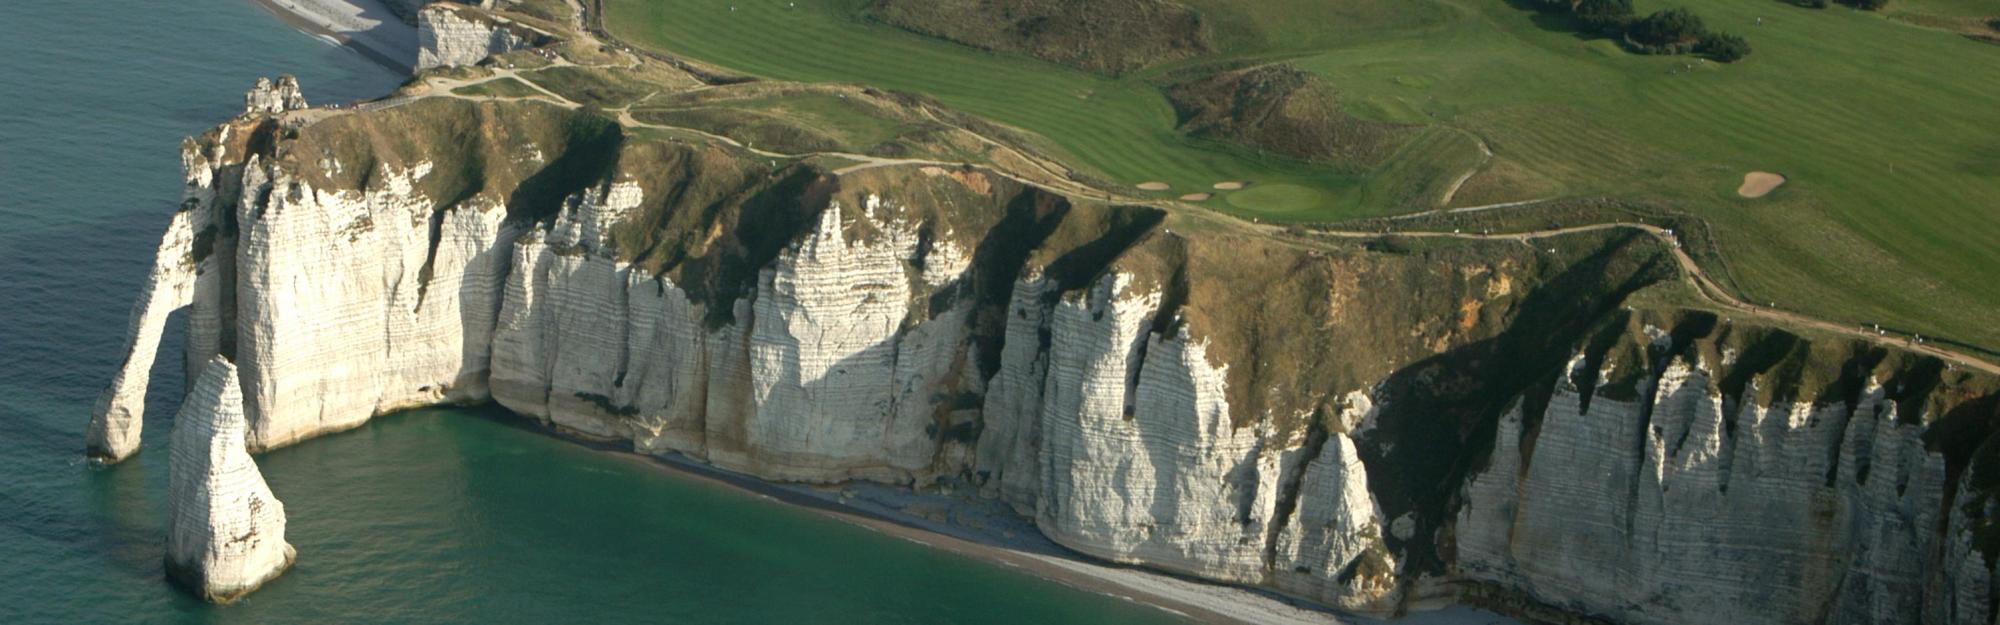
{"x": 225, "y": 531}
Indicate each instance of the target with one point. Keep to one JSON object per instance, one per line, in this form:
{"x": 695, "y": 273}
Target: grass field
{"x": 1886, "y": 131}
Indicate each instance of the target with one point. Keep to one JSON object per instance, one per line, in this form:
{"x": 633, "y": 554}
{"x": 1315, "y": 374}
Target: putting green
{"x": 1276, "y": 199}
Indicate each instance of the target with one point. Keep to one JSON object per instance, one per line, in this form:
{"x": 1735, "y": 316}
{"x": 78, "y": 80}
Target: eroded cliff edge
{"x": 1370, "y": 425}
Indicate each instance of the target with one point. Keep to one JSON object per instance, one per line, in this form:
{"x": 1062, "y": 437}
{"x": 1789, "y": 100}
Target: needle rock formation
{"x": 1373, "y": 425}
{"x": 225, "y": 531}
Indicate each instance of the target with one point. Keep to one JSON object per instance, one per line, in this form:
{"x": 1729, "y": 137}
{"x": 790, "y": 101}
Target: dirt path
{"x": 1485, "y": 158}
{"x": 1053, "y": 178}
{"x": 1707, "y": 286}
{"x": 1712, "y": 291}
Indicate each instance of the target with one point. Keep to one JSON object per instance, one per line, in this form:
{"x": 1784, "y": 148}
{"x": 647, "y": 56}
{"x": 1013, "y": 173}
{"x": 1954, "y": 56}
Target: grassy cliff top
{"x": 1104, "y": 36}
{"x": 1883, "y": 216}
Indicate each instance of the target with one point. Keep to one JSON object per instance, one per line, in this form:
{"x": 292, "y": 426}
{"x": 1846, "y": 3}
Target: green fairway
{"x": 1886, "y": 131}
{"x": 1121, "y": 129}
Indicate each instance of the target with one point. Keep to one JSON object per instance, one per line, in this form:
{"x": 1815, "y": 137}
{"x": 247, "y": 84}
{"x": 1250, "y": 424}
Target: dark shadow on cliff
{"x": 1440, "y": 414}
{"x": 996, "y": 267}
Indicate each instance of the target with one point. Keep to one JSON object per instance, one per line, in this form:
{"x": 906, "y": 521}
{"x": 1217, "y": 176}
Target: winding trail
{"x": 1485, "y": 158}
{"x": 1053, "y": 177}
{"x": 1709, "y": 289}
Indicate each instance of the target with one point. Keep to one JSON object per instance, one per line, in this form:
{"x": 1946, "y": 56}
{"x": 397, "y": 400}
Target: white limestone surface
{"x": 225, "y": 530}
{"x": 1141, "y": 462}
{"x": 1654, "y": 511}
{"x": 1331, "y": 549}
{"x": 118, "y": 418}
{"x": 274, "y": 97}
{"x": 449, "y": 36}
{"x": 346, "y": 307}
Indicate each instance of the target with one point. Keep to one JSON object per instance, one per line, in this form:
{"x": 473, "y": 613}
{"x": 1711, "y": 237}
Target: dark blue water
{"x": 429, "y": 516}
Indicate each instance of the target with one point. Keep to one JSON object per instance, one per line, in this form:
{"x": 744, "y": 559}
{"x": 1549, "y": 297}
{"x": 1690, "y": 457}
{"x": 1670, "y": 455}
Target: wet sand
{"x": 365, "y": 26}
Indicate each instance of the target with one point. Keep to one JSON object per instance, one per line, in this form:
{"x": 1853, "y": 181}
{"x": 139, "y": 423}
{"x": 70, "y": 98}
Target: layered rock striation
{"x": 1782, "y": 480}
{"x": 451, "y": 35}
{"x": 1364, "y": 425}
{"x": 225, "y": 531}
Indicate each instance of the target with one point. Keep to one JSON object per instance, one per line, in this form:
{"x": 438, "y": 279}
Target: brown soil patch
{"x": 1197, "y": 197}
{"x": 1231, "y": 185}
{"x": 971, "y": 179}
{"x": 1154, "y": 186}
{"x": 1759, "y": 184}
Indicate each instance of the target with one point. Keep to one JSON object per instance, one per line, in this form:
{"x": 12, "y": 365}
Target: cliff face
{"x": 1360, "y": 425}
{"x": 1783, "y": 480}
{"x": 448, "y": 35}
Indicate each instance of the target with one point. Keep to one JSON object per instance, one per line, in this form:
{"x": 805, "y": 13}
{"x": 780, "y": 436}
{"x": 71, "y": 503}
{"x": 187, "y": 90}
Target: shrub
{"x": 1604, "y": 14}
{"x": 1723, "y": 47}
{"x": 1553, "y": 6}
{"x": 1667, "y": 29}
{"x": 1868, "y": 5}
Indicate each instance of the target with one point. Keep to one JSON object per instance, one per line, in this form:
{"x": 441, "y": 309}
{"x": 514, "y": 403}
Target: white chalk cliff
{"x": 1107, "y": 377}
{"x": 1778, "y": 512}
{"x": 225, "y": 531}
{"x": 448, "y": 35}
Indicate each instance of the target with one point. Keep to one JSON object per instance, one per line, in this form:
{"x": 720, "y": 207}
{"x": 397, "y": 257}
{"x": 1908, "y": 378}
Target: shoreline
{"x": 959, "y": 523}
{"x": 364, "y": 26}
{"x": 989, "y": 531}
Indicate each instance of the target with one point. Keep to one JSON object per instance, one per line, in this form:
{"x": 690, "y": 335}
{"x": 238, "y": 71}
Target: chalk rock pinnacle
{"x": 274, "y": 98}
{"x": 225, "y": 531}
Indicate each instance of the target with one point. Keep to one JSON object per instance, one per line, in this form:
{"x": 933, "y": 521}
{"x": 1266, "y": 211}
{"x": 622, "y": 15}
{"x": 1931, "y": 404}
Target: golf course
{"x": 1883, "y": 126}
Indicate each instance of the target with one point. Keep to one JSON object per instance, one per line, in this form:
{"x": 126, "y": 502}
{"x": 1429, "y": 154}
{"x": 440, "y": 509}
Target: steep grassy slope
{"x": 1107, "y": 36}
{"x": 1122, "y": 129}
{"x": 1882, "y": 128}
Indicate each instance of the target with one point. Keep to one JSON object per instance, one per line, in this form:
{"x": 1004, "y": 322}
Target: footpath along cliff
{"x": 1371, "y": 425}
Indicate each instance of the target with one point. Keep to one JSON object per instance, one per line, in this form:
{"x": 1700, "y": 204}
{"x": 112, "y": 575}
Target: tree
{"x": 1723, "y": 47}
{"x": 1668, "y": 28}
{"x": 1868, "y": 5}
{"x": 1604, "y": 14}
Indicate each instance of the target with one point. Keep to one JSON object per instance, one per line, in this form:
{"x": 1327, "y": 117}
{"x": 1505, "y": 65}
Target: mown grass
{"x": 1121, "y": 129}
{"x": 499, "y": 88}
{"x": 787, "y": 122}
{"x": 1885, "y": 130}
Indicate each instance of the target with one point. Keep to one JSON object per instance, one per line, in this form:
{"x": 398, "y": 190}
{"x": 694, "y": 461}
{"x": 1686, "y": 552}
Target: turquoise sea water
{"x": 428, "y": 516}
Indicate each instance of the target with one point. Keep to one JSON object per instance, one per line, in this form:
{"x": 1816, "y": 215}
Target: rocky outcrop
{"x": 451, "y": 35}
{"x": 274, "y": 97}
{"x": 225, "y": 531}
{"x": 1358, "y": 425}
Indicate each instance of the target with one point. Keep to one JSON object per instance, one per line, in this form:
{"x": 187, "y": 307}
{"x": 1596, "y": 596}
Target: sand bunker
{"x": 1197, "y": 197}
{"x": 1154, "y": 186}
{"x": 1231, "y": 185}
{"x": 1759, "y": 183}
